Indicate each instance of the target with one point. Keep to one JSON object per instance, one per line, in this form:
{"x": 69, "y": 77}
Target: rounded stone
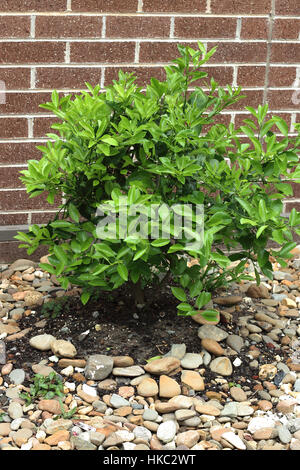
{"x": 212, "y": 346}
{"x": 212, "y": 332}
{"x": 42, "y": 342}
{"x": 98, "y": 367}
{"x": 168, "y": 387}
{"x": 166, "y": 431}
{"x": 235, "y": 342}
{"x": 63, "y": 348}
{"x": 221, "y": 366}
{"x": 147, "y": 387}
{"x": 191, "y": 361}
{"x": 166, "y": 365}
{"x": 193, "y": 380}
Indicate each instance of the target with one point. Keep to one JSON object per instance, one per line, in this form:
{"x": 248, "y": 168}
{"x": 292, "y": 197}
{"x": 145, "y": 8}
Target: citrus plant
{"x": 162, "y": 147}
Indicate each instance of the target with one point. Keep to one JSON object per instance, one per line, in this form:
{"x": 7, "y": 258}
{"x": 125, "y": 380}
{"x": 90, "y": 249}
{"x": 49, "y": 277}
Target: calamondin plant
{"x": 147, "y": 179}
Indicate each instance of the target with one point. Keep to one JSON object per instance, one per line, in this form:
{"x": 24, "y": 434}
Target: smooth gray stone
{"x": 98, "y": 367}
{"x": 2, "y": 352}
{"x": 17, "y": 376}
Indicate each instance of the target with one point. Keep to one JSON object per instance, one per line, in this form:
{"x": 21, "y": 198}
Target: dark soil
{"x": 124, "y": 330}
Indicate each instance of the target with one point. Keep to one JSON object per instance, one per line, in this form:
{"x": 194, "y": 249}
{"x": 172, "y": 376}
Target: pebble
{"x": 185, "y": 400}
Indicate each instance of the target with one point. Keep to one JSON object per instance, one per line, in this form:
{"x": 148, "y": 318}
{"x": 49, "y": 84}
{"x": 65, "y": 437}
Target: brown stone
{"x": 41, "y": 447}
{"x": 206, "y": 409}
{"x": 58, "y": 436}
{"x": 212, "y": 346}
{"x": 198, "y": 318}
{"x": 164, "y": 366}
{"x": 123, "y": 411}
{"x": 123, "y": 361}
{"x": 193, "y": 380}
{"x": 230, "y": 300}
{"x": 168, "y": 387}
{"x": 257, "y": 292}
{"x": 52, "y": 406}
{"x": 265, "y": 405}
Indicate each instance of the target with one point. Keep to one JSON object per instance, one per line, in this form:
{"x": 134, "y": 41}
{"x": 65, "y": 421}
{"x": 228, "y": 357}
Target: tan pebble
{"x": 126, "y": 392}
{"x": 106, "y": 399}
{"x": 68, "y": 399}
{"x": 138, "y": 412}
{"x": 214, "y": 395}
{"x": 212, "y": 346}
{"x": 4, "y": 429}
{"x": 41, "y": 447}
{"x": 7, "y": 368}
{"x": 155, "y": 444}
{"x": 58, "y": 436}
{"x": 165, "y": 366}
{"x": 162, "y": 407}
{"x": 265, "y": 433}
{"x": 265, "y": 405}
{"x": 123, "y": 411}
{"x": 152, "y": 426}
{"x": 85, "y": 410}
{"x": 187, "y": 438}
{"x": 168, "y": 387}
{"x": 123, "y": 361}
{"x": 216, "y": 432}
{"x": 207, "y": 409}
{"x": 78, "y": 377}
{"x": 147, "y": 387}
{"x": 138, "y": 420}
{"x": 193, "y": 380}
{"x": 65, "y": 445}
{"x": 52, "y": 406}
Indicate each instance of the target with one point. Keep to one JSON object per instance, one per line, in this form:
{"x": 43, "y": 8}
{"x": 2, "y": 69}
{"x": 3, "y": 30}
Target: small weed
{"x": 54, "y": 308}
{"x": 46, "y": 387}
{"x": 65, "y": 414}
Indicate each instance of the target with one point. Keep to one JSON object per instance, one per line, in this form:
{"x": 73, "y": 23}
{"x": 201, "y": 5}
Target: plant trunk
{"x": 138, "y": 292}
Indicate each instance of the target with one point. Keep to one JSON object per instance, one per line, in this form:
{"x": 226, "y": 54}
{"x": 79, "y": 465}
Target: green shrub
{"x": 162, "y": 146}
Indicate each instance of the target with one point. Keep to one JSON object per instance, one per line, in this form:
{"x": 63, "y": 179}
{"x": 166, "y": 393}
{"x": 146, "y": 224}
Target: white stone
{"x": 233, "y": 439}
{"x": 259, "y": 422}
{"x": 89, "y": 390}
{"x": 237, "y": 362}
{"x": 166, "y": 431}
{"x": 42, "y": 342}
{"x": 67, "y": 371}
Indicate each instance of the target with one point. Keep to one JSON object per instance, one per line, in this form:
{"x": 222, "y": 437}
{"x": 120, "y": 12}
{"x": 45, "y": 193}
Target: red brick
{"x": 11, "y": 128}
{"x": 105, "y": 6}
{"x": 219, "y": 119}
{"x": 287, "y": 7}
{"x": 19, "y": 201}
{"x": 286, "y": 28}
{"x": 12, "y": 152}
{"x": 15, "y": 78}
{"x": 282, "y": 76}
{"x": 176, "y": 6}
{"x": 188, "y": 27}
{"x": 255, "y": 7}
{"x": 291, "y": 205}
{"x": 285, "y": 53}
{"x": 31, "y": 52}
{"x": 33, "y": 5}
{"x": 251, "y": 76}
{"x": 68, "y": 27}
{"x": 67, "y": 78}
{"x": 254, "y": 28}
{"x": 282, "y": 99}
{"x": 296, "y": 190}
{"x": 252, "y": 98}
{"x": 137, "y": 27}
{"x": 14, "y": 26}
{"x": 143, "y": 74}
{"x": 42, "y": 217}
{"x": 13, "y": 219}
{"x": 42, "y": 126}
{"x": 103, "y": 52}
{"x": 160, "y": 51}
{"x": 222, "y": 75}
{"x": 9, "y": 177}
{"x": 232, "y": 52}
{"x": 23, "y": 103}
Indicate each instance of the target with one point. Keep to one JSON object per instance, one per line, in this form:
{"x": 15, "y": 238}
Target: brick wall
{"x": 46, "y": 44}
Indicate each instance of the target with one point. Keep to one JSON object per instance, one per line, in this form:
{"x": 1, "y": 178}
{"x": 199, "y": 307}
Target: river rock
{"x": 165, "y": 366}
{"x": 221, "y": 366}
{"x": 235, "y": 342}
{"x": 212, "y": 346}
{"x": 193, "y": 380}
{"x": 168, "y": 387}
{"x": 212, "y": 332}
{"x": 42, "y": 342}
{"x": 98, "y": 367}
{"x": 131, "y": 371}
{"x": 147, "y": 387}
{"x": 228, "y": 301}
{"x": 191, "y": 361}
{"x": 63, "y": 348}
{"x": 166, "y": 431}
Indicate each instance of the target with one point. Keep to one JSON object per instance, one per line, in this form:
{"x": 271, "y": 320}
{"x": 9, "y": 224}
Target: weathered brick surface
{"x": 61, "y": 44}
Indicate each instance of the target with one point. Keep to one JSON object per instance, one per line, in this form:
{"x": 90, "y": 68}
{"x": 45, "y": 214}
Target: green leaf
{"x": 73, "y": 212}
{"x": 85, "y": 297}
{"x": 179, "y": 293}
{"x": 123, "y": 271}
